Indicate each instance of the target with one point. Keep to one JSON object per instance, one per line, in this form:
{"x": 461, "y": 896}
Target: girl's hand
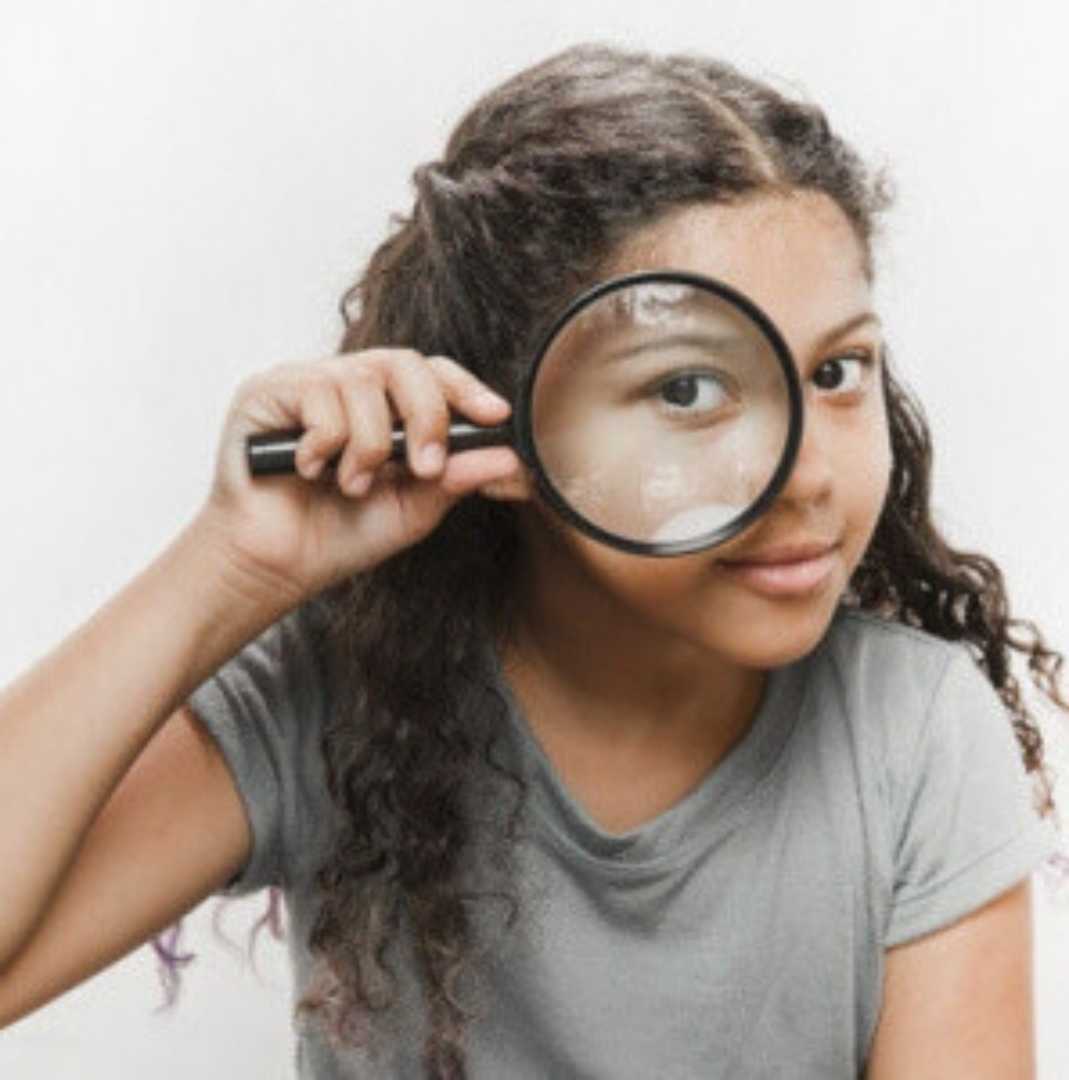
{"x": 300, "y": 534}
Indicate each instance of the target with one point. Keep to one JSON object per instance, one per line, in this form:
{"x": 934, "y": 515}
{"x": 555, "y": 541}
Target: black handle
{"x": 272, "y": 452}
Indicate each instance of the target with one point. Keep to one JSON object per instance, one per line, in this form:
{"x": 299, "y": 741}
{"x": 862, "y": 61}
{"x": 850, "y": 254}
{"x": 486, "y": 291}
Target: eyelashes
{"x": 844, "y": 375}
{"x": 695, "y": 391}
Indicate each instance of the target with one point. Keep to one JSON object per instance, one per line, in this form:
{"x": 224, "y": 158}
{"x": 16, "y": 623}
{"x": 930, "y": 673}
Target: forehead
{"x": 795, "y": 255}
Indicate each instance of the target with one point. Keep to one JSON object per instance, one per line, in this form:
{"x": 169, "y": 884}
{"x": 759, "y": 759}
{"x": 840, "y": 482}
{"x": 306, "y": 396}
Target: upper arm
{"x": 173, "y": 832}
{"x": 958, "y": 1002}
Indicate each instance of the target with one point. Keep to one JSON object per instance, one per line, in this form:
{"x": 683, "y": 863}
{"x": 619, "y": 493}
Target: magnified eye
{"x": 692, "y": 392}
{"x": 841, "y": 374}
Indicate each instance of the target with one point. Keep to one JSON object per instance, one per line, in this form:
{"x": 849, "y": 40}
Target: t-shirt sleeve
{"x": 265, "y": 707}
{"x": 967, "y": 827}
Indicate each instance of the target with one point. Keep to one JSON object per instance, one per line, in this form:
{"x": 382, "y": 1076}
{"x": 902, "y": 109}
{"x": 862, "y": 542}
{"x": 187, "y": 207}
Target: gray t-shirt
{"x": 879, "y": 795}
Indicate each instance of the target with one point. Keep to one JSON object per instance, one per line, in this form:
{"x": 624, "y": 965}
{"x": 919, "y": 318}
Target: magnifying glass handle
{"x": 272, "y": 452}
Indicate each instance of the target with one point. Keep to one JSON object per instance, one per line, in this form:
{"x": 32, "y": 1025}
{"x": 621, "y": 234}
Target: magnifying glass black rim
{"x": 529, "y": 449}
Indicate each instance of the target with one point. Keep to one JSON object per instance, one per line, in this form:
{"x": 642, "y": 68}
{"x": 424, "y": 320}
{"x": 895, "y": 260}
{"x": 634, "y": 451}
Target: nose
{"x": 810, "y": 480}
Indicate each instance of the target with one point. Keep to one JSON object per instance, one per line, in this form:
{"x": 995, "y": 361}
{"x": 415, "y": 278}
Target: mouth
{"x": 785, "y": 570}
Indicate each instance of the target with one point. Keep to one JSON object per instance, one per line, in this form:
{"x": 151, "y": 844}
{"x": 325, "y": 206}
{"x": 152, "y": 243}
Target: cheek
{"x": 870, "y": 477}
{"x": 646, "y": 585}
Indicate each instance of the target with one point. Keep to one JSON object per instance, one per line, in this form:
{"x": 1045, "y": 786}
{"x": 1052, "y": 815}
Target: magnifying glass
{"x": 662, "y": 415}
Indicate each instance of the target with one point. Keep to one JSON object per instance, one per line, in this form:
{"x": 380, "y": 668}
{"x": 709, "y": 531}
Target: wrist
{"x": 232, "y": 589}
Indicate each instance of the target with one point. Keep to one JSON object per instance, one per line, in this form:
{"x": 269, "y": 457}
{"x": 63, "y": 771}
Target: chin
{"x": 781, "y": 655}
{"x": 778, "y": 638}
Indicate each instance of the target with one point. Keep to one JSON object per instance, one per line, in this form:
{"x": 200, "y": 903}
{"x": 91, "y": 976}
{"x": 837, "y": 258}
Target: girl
{"x": 537, "y": 807}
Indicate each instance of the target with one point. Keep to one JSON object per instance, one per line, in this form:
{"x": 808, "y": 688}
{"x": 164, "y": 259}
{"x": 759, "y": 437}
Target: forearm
{"x": 71, "y": 726}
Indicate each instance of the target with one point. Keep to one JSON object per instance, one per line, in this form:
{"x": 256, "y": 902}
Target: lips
{"x": 793, "y": 569}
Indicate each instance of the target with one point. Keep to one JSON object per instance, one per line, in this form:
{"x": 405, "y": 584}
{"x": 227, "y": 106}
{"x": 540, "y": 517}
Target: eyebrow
{"x": 733, "y": 339}
{"x": 844, "y": 328}
{"x": 654, "y": 343}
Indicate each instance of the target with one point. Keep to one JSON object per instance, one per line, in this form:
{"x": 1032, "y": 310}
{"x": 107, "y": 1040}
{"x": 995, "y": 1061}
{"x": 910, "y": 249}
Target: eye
{"x": 692, "y": 392}
{"x": 842, "y": 374}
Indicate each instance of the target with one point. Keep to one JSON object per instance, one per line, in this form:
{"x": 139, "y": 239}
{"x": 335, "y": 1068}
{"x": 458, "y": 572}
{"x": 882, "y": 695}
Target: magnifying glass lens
{"x": 662, "y": 414}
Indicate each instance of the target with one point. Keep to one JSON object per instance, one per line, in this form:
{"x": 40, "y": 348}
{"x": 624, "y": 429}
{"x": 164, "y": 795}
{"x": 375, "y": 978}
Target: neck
{"x": 582, "y": 663}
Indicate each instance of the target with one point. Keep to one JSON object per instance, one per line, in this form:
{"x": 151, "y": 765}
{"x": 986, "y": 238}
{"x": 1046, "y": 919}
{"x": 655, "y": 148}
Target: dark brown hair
{"x": 537, "y": 186}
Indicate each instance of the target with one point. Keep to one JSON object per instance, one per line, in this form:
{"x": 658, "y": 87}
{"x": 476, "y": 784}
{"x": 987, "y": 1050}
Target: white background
{"x": 187, "y": 188}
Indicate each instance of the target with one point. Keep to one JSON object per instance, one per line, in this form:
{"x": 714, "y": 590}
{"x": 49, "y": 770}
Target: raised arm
{"x": 93, "y": 837}
{"x": 71, "y": 727}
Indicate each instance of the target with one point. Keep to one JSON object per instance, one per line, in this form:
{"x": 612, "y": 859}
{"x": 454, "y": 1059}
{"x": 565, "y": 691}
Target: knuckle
{"x": 426, "y": 411}
{"x": 319, "y": 441}
{"x": 406, "y": 355}
{"x": 322, "y": 420}
{"x": 285, "y": 372}
{"x": 446, "y": 368}
{"x": 358, "y": 376}
{"x": 435, "y": 417}
{"x": 410, "y": 365}
{"x": 362, "y": 381}
{"x": 258, "y": 383}
{"x": 382, "y": 359}
{"x": 344, "y": 363}
{"x": 327, "y": 428}
{"x": 317, "y": 377}
{"x": 319, "y": 408}
{"x": 365, "y": 454}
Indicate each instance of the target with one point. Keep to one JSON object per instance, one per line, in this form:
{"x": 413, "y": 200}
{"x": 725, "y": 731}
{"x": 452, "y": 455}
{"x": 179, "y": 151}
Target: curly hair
{"x": 538, "y": 185}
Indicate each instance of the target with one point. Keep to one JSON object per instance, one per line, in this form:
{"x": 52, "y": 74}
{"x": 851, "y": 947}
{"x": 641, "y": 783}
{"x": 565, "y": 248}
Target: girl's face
{"x": 767, "y": 596}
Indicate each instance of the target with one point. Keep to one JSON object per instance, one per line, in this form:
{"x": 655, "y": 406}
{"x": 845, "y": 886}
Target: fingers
{"x": 423, "y": 391}
{"x": 326, "y": 427}
{"x": 467, "y": 394}
{"x": 495, "y": 472}
{"x": 368, "y": 430}
{"x": 420, "y": 402}
{"x": 350, "y": 405}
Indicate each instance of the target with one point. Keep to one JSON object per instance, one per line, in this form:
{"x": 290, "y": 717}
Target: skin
{"x": 659, "y": 639}
{"x": 619, "y": 698}
{"x": 658, "y": 403}
{"x": 121, "y": 814}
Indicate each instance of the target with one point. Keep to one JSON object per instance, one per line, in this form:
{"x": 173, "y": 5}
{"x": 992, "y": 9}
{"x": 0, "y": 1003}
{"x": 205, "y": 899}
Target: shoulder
{"x": 880, "y": 669}
{"x": 900, "y": 692}
{"x": 267, "y": 708}
{"x": 864, "y": 644}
